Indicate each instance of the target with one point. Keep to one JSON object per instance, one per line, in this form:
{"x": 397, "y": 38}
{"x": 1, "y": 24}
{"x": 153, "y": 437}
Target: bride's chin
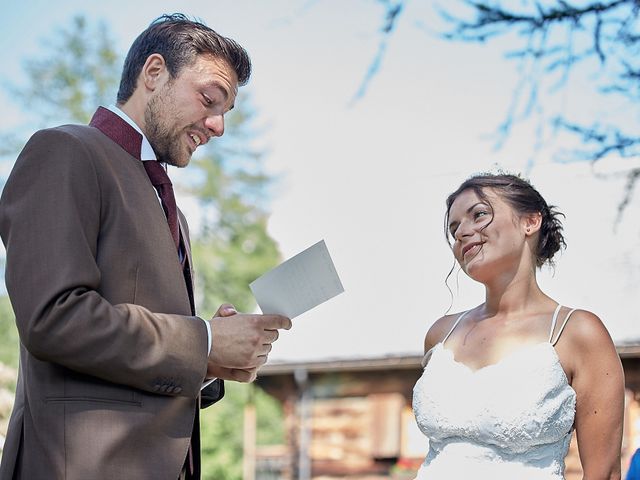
{"x": 475, "y": 270}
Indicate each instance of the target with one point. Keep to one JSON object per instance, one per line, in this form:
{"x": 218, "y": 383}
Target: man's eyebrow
{"x": 216, "y": 84}
{"x": 224, "y": 91}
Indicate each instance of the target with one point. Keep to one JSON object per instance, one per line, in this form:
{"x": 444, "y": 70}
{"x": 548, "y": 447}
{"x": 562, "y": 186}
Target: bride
{"x": 506, "y": 382}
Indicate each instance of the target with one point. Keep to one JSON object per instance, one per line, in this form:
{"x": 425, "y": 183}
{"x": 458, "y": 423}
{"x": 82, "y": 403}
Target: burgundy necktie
{"x": 160, "y": 180}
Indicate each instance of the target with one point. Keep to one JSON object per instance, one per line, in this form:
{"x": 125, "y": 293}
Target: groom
{"x": 99, "y": 272}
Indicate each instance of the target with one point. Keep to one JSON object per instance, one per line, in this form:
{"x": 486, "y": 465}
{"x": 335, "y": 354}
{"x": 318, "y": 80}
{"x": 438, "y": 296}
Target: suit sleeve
{"x": 50, "y": 222}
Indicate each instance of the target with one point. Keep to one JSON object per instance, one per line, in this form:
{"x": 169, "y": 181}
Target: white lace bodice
{"x": 510, "y": 420}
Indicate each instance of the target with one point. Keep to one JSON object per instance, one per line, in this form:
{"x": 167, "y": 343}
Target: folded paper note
{"x": 298, "y": 284}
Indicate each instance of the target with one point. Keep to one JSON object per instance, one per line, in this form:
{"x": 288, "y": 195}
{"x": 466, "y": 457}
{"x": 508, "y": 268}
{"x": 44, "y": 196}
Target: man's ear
{"x": 154, "y": 72}
{"x": 531, "y": 223}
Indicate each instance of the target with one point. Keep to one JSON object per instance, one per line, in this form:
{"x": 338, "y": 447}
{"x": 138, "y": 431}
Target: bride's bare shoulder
{"x": 439, "y": 330}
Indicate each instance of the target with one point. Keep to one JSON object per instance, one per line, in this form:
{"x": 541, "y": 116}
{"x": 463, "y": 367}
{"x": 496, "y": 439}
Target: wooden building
{"x": 353, "y": 418}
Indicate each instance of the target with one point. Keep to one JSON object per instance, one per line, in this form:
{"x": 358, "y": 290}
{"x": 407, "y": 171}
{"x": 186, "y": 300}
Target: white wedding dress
{"x": 508, "y": 421}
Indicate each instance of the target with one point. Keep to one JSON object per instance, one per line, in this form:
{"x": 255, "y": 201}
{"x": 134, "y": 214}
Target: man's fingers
{"x": 244, "y": 340}
{"x": 244, "y": 376}
{"x": 225, "y": 310}
{"x": 256, "y": 362}
{"x": 270, "y": 336}
{"x": 264, "y": 351}
{"x": 220, "y": 372}
{"x": 272, "y": 322}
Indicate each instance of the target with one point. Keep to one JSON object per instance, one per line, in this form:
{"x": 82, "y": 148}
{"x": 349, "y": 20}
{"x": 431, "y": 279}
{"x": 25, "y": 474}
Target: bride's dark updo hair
{"x": 524, "y": 199}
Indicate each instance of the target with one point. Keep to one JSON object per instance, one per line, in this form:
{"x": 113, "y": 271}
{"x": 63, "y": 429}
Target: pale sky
{"x": 371, "y": 177}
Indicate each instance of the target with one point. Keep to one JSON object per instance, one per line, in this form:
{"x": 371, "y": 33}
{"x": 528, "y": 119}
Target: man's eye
{"x": 207, "y": 100}
{"x": 479, "y": 214}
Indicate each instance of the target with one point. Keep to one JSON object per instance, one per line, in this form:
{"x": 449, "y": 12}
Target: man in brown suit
{"x": 112, "y": 355}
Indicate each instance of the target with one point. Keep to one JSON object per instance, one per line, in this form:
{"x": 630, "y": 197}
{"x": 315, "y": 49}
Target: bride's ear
{"x": 531, "y": 222}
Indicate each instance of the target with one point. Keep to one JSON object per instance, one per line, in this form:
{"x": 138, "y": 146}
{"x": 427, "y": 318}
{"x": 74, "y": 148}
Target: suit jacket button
{"x": 177, "y": 390}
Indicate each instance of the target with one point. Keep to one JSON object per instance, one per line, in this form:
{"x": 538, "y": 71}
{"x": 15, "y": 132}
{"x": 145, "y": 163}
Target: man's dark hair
{"x": 180, "y": 40}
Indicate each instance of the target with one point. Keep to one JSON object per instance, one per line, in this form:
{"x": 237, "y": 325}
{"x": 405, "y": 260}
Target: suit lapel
{"x": 118, "y": 130}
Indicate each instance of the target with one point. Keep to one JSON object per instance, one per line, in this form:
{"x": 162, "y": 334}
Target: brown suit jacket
{"x": 111, "y": 357}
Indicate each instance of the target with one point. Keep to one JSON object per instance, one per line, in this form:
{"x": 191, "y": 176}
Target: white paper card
{"x": 298, "y": 284}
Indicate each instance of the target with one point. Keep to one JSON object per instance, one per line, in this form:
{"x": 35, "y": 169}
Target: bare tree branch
{"x": 393, "y": 10}
{"x": 556, "y": 36}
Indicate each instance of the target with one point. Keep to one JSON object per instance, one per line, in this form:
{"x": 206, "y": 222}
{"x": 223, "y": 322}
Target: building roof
{"x": 629, "y": 349}
{"x": 351, "y": 364}
{"x": 388, "y": 362}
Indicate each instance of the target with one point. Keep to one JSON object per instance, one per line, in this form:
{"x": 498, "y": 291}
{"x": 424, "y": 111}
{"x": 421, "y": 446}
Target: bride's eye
{"x": 479, "y": 214}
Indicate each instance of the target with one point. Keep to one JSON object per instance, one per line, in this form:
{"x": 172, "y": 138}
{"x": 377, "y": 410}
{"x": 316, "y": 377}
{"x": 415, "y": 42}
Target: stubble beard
{"x": 165, "y": 138}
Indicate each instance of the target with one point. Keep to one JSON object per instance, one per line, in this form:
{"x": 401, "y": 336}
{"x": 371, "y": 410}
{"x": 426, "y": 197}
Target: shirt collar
{"x": 146, "y": 151}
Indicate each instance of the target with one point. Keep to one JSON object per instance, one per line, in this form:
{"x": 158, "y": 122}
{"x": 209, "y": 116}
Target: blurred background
{"x": 359, "y": 119}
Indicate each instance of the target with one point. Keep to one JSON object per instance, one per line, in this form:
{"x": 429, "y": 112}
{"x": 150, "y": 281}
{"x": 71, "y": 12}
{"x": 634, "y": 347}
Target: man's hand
{"x": 241, "y": 343}
{"x": 234, "y": 374}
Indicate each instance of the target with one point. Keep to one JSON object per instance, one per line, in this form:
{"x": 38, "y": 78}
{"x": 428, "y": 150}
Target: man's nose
{"x": 215, "y": 124}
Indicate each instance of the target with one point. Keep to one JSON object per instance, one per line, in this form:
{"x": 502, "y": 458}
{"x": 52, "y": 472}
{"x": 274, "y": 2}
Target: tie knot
{"x": 156, "y": 173}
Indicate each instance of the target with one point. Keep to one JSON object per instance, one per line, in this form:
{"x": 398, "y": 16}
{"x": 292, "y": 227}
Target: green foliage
{"x": 226, "y": 265}
{"x": 557, "y": 45}
{"x": 78, "y": 71}
{"x": 221, "y": 436}
{"x": 233, "y": 247}
{"x": 222, "y": 427}
{"x": 8, "y": 334}
{"x": 270, "y": 419}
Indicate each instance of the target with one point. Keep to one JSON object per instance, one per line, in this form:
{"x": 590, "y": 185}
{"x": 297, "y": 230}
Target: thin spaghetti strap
{"x": 427, "y": 355}
{"x": 455, "y": 324}
{"x": 564, "y": 324}
{"x": 553, "y": 322}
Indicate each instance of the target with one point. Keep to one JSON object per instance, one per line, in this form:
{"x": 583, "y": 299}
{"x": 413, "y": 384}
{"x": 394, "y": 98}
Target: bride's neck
{"x": 515, "y": 295}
